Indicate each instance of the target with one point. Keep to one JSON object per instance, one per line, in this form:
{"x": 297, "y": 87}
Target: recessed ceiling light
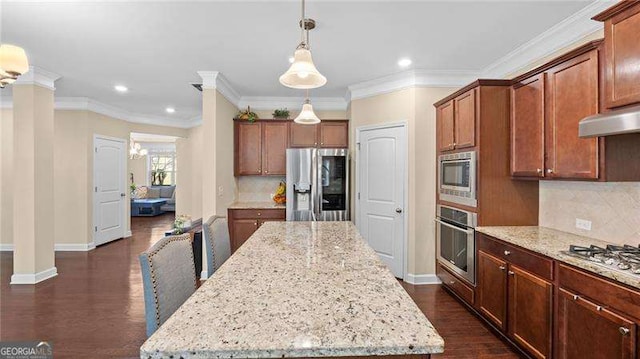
{"x": 291, "y": 59}
{"x": 170, "y": 110}
{"x": 404, "y": 62}
{"x": 121, "y": 88}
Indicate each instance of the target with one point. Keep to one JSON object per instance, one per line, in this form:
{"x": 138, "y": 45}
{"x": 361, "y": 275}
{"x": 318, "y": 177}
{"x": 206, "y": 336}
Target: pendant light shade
{"x": 303, "y": 74}
{"x": 13, "y": 61}
{"x": 307, "y": 116}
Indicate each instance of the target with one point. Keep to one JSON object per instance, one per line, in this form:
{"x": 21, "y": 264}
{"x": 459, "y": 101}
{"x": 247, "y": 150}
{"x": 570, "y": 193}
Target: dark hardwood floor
{"x": 95, "y": 308}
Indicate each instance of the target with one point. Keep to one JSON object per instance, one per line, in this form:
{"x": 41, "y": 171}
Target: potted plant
{"x": 281, "y": 113}
{"x": 247, "y": 115}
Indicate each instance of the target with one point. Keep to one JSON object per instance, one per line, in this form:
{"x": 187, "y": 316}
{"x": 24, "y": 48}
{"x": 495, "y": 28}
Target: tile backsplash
{"x": 256, "y": 188}
{"x": 612, "y": 207}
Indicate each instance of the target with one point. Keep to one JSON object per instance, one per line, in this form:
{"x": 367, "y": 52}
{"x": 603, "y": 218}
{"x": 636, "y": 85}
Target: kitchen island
{"x": 298, "y": 289}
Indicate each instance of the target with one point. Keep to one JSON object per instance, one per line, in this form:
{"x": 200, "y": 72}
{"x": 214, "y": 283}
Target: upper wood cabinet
{"x": 456, "y": 122}
{"x": 546, "y": 108}
{"x": 260, "y": 148}
{"x": 527, "y": 127}
{"x": 327, "y": 134}
{"x": 248, "y": 148}
{"x": 622, "y": 64}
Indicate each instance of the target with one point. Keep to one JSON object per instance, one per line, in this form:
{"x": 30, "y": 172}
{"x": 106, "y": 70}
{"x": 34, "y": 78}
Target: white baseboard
{"x": 34, "y": 278}
{"x": 127, "y": 234}
{"x": 58, "y": 247}
{"x": 6, "y": 247}
{"x": 203, "y": 275}
{"x": 421, "y": 279}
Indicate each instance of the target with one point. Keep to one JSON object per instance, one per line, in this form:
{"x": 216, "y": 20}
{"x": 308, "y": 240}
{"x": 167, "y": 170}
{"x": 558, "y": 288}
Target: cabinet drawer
{"x": 257, "y": 213}
{"x": 522, "y": 258}
{"x": 612, "y": 295}
{"x": 457, "y": 285}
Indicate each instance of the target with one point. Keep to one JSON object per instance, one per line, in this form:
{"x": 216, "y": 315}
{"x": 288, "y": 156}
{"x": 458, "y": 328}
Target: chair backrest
{"x": 217, "y": 242}
{"x": 168, "y": 278}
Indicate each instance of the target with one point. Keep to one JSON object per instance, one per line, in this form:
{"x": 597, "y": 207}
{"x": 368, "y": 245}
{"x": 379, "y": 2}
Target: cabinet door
{"x": 445, "y": 126}
{"x": 241, "y": 230}
{"x": 334, "y": 134}
{"x": 492, "y": 288}
{"x": 621, "y": 38}
{"x": 303, "y": 135}
{"x": 572, "y": 95}
{"x": 587, "y": 330}
{"x": 465, "y": 120}
{"x": 248, "y": 148}
{"x": 274, "y": 158}
{"x": 530, "y": 317}
{"x": 527, "y": 128}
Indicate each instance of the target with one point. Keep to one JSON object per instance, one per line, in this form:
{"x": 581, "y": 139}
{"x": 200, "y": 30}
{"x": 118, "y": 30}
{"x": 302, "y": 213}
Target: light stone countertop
{"x": 297, "y": 289}
{"x": 551, "y": 243}
{"x": 256, "y": 205}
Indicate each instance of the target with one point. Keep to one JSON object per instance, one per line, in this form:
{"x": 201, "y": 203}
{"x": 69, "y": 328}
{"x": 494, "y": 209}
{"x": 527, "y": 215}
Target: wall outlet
{"x": 220, "y": 191}
{"x": 583, "y": 224}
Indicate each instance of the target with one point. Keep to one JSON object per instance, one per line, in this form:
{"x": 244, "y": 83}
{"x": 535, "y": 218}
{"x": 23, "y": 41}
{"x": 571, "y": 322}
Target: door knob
{"x": 398, "y": 210}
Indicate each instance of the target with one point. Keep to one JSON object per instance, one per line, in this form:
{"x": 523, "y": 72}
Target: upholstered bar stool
{"x": 217, "y": 242}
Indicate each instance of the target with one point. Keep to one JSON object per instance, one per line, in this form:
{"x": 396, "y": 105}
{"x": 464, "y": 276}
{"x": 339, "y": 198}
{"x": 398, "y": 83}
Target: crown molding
{"x": 559, "y": 36}
{"x": 215, "y": 80}
{"x": 271, "y": 103}
{"x": 410, "y": 78}
{"x": 38, "y": 76}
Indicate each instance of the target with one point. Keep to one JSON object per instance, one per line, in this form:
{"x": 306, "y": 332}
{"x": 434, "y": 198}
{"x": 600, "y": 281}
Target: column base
{"x": 19, "y": 278}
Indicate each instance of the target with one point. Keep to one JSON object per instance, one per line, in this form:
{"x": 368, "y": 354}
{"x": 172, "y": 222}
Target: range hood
{"x": 616, "y": 122}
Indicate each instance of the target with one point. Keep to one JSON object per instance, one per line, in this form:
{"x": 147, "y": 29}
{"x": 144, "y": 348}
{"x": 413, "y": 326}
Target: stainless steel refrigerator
{"x": 317, "y": 184}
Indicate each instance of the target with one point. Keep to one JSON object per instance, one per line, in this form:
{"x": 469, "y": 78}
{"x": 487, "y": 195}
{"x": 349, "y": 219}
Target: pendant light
{"x": 303, "y": 74}
{"x": 13, "y": 63}
{"x": 307, "y": 116}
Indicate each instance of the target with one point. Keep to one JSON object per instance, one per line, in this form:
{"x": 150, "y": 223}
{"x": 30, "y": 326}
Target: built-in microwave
{"x": 457, "y": 178}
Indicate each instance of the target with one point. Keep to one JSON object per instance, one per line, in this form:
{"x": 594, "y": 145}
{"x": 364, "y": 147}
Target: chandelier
{"x": 136, "y": 151}
{"x": 13, "y": 63}
{"x": 303, "y": 74}
{"x": 307, "y": 116}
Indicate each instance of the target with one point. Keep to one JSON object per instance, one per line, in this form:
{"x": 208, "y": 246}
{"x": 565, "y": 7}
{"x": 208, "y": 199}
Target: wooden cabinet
{"x": 527, "y": 127}
{"x": 456, "y": 122}
{"x": 530, "y": 311}
{"x": 572, "y": 95}
{"x": 260, "y": 148}
{"x": 622, "y": 64}
{"x": 492, "y": 289}
{"x": 445, "y": 119}
{"x": 244, "y": 222}
{"x": 274, "y": 153}
{"x": 547, "y": 107}
{"x": 326, "y": 134}
{"x": 457, "y": 285}
{"x": 248, "y": 149}
{"x": 514, "y": 297}
{"x": 590, "y": 330}
{"x": 334, "y": 134}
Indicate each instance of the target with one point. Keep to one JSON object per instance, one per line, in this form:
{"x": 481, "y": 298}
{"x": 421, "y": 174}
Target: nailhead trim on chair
{"x": 175, "y": 238}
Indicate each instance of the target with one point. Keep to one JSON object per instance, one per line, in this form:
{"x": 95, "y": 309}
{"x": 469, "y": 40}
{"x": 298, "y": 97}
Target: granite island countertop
{"x": 298, "y": 289}
{"x": 552, "y": 243}
{"x": 256, "y": 205}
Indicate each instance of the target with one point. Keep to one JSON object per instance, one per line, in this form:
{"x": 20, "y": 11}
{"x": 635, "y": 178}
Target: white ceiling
{"x": 155, "y": 48}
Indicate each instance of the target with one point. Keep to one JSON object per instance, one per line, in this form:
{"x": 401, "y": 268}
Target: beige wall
{"x": 225, "y": 179}
{"x": 189, "y": 179}
{"x": 138, "y": 167}
{"x": 415, "y": 107}
{"x": 6, "y": 176}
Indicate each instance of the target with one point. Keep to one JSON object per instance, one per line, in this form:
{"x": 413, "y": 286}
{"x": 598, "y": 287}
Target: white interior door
{"x": 381, "y": 177}
{"x": 109, "y": 178}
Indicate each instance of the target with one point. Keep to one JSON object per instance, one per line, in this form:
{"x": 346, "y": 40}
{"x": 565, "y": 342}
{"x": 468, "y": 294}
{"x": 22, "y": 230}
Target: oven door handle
{"x": 467, "y": 231}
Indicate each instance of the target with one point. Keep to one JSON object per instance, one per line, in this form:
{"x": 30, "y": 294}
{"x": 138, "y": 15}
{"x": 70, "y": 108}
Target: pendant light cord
{"x": 302, "y": 26}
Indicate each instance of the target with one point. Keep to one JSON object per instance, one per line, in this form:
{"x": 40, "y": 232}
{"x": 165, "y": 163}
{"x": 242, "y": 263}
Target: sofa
{"x": 167, "y": 193}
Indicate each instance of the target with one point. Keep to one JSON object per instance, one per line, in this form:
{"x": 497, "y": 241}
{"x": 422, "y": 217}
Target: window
{"x": 162, "y": 169}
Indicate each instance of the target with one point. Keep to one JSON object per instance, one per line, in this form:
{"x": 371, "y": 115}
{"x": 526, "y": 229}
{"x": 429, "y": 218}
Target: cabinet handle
{"x": 624, "y": 331}
{"x": 454, "y": 282}
{"x": 266, "y": 172}
{"x": 259, "y": 213}
{"x": 539, "y": 170}
{"x": 549, "y": 171}
{"x": 315, "y": 143}
{"x": 506, "y": 253}
{"x": 576, "y": 297}
{"x": 598, "y": 308}
{"x": 502, "y": 268}
{"x": 256, "y": 224}
{"x": 259, "y": 170}
{"x": 511, "y": 273}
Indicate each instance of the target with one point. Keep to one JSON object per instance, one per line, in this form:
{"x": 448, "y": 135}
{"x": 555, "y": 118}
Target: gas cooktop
{"x": 624, "y": 258}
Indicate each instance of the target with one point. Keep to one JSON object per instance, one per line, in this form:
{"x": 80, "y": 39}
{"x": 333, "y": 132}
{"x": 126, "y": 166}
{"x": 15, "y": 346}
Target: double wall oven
{"x": 455, "y": 234}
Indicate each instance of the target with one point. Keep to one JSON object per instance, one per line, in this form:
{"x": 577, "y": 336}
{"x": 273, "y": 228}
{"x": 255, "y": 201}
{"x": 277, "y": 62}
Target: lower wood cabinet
{"x": 462, "y": 289}
{"x": 590, "y": 330}
{"x": 244, "y": 222}
{"x": 492, "y": 289}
